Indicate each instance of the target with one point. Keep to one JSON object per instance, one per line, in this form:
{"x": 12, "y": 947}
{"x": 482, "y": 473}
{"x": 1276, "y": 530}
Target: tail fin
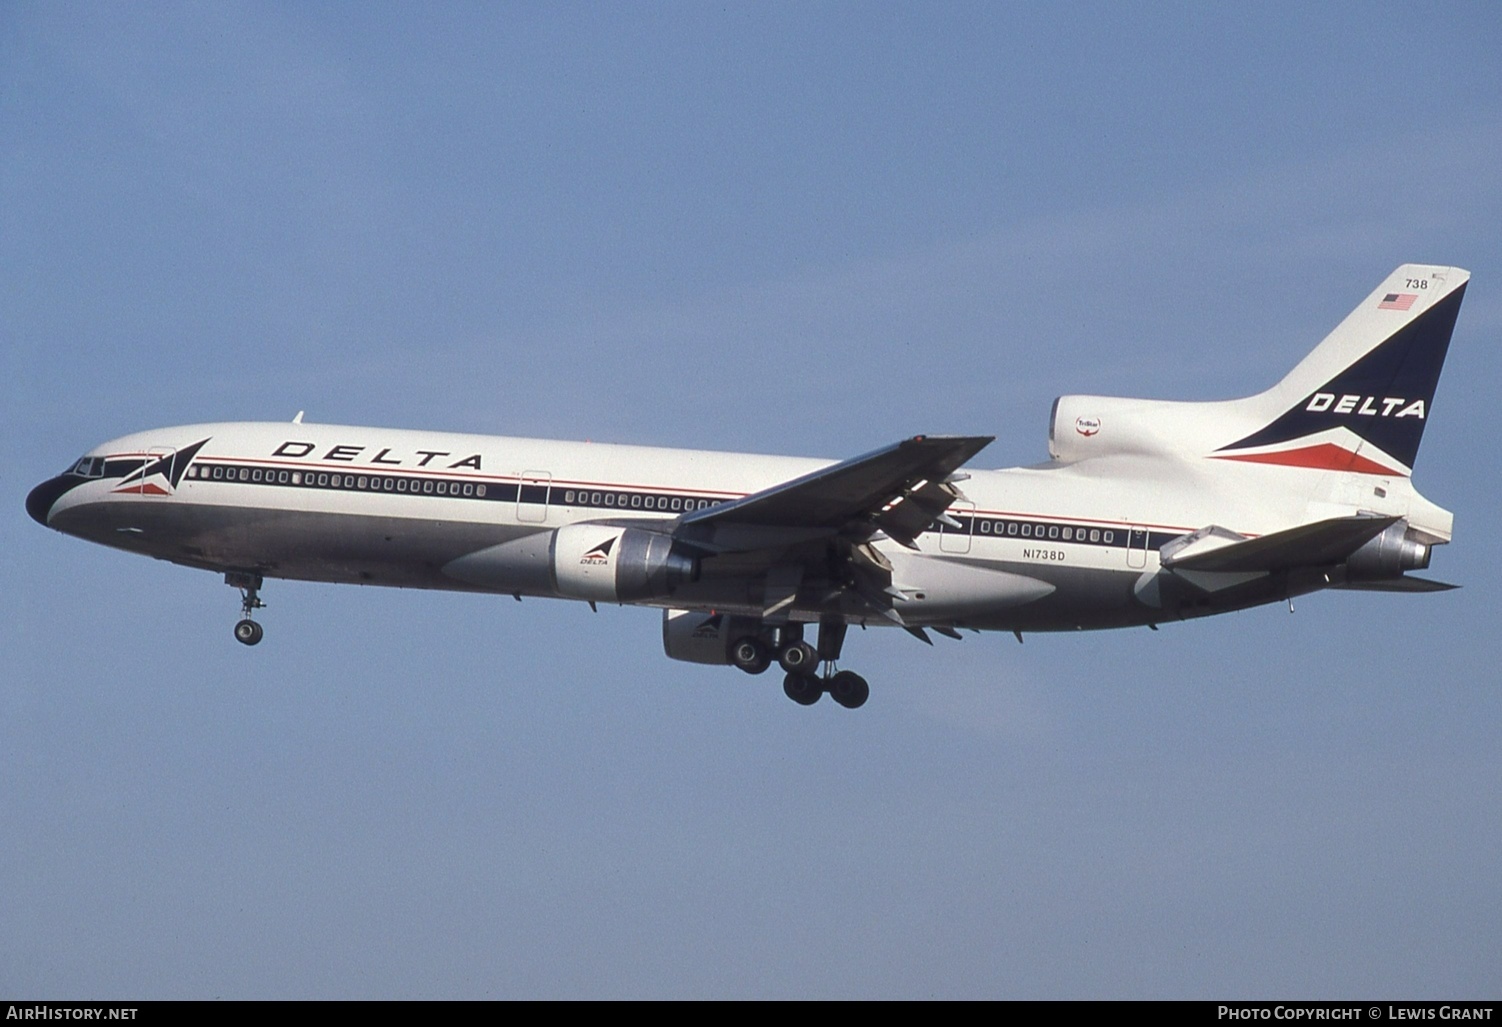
{"x": 1360, "y": 400}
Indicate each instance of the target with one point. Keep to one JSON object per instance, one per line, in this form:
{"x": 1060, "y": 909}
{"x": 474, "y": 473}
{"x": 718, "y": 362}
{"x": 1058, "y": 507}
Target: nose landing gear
{"x": 247, "y": 631}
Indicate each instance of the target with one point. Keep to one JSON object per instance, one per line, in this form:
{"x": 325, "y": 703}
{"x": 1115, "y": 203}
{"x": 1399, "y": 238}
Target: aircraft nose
{"x": 39, "y": 501}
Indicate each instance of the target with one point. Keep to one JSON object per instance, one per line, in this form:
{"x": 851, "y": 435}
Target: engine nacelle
{"x": 1087, "y": 426}
{"x": 612, "y": 564}
{"x": 1082, "y": 427}
{"x": 1388, "y": 555}
{"x": 703, "y": 637}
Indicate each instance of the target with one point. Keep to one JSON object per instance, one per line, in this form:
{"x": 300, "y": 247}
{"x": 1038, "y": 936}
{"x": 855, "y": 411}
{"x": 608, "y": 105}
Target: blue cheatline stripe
{"x": 445, "y": 486}
{"x": 628, "y": 501}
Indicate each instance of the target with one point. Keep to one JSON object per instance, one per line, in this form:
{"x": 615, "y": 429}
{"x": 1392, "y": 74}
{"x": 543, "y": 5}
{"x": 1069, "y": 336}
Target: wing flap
{"x": 915, "y": 510}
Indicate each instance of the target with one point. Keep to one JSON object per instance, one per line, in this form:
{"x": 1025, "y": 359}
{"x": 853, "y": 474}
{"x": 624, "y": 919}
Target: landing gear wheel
{"x": 750, "y": 655}
{"x": 248, "y": 632}
{"x": 849, "y": 689}
{"x": 803, "y": 689}
{"x": 797, "y": 657}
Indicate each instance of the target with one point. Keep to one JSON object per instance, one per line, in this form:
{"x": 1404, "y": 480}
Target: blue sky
{"x": 801, "y": 228}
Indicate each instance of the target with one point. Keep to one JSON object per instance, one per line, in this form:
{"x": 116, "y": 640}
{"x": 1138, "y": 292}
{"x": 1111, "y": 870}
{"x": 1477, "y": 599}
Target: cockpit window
{"x": 89, "y": 467}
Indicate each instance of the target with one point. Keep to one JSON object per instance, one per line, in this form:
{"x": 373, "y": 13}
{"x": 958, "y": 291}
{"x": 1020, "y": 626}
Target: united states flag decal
{"x": 1397, "y": 301}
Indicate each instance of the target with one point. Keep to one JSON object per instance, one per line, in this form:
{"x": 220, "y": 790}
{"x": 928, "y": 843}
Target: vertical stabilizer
{"x": 1360, "y": 401}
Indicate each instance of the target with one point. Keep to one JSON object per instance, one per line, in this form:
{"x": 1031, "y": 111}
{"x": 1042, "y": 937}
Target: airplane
{"x": 1147, "y": 511}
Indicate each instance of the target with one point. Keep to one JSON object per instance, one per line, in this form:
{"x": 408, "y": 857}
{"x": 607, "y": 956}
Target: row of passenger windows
{"x": 1060, "y": 532}
{"x": 359, "y": 482}
{"x": 430, "y": 487}
{"x": 634, "y": 500}
{"x": 572, "y": 497}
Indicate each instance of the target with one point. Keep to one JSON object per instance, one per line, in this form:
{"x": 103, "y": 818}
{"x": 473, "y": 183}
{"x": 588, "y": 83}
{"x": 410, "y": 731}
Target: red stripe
{"x": 1325, "y": 457}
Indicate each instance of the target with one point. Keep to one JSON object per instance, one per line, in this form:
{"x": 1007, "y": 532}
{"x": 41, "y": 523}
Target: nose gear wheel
{"x": 247, "y": 631}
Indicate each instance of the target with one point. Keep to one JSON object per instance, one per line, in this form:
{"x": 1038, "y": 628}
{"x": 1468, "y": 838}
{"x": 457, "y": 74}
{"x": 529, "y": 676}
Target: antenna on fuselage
{"x": 298, "y": 418}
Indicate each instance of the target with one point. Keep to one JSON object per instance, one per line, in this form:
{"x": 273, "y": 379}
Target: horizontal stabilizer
{"x": 1320, "y": 544}
{"x": 1404, "y": 584}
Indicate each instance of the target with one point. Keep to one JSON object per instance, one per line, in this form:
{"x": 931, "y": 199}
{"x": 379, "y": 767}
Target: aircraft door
{"x": 532, "y": 496}
{"x": 159, "y": 482}
{"x": 957, "y": 540}
{"x": 1137, "y": 547}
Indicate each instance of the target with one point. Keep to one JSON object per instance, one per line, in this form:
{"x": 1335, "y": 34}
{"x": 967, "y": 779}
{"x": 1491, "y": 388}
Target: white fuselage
{"x": 1050, "y": 547}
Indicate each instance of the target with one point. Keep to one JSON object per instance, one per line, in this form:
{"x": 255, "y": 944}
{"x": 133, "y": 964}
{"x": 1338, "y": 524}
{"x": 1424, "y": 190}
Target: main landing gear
{"x": 846, "y": 687}
{"x": 802, "y": 683}
{"x": 247, "y": 631}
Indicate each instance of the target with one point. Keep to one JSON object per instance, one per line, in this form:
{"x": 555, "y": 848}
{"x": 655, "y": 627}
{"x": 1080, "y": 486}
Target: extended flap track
{"x": 915, "y": 510}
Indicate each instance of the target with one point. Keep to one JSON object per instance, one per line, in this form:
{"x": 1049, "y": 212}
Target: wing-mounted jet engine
{"x": 609, "y": 563}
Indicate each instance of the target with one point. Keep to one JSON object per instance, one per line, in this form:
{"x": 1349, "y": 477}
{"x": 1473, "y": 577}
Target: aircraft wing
{"x": 1309, "y": 545}
{"x": 899, "y": 490}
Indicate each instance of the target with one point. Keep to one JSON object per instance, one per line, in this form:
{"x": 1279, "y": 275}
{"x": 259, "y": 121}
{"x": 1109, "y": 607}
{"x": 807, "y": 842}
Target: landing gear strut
{"x": 802, "y": 684}
{"x": 247, "y": 631}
